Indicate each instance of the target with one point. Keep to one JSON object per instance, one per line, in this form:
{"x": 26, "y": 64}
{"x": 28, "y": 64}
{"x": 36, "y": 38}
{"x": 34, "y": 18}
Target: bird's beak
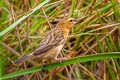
{"x": 75, "y": 21}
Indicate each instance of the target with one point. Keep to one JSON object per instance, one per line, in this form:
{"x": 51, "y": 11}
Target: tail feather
{"x": 23, "y": 58}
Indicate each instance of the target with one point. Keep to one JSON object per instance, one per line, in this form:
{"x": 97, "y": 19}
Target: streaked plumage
{"x": 53, "y": 42}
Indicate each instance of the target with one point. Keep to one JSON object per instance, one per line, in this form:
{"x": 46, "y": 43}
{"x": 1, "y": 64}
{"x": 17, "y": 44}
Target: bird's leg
{"x": 42, "y": 65}
{"x": 54, "y": 69}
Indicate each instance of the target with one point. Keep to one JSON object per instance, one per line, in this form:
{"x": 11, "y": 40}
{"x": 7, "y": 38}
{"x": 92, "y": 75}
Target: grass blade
{"x": 65, "y": 62}
{"x": 22, "y": 18}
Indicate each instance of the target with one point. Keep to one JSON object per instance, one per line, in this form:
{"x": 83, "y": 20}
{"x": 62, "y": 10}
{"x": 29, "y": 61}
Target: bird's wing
{"x": 54, "y": 38}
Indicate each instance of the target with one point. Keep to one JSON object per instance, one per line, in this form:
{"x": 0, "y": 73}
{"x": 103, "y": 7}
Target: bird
{"x": 52, "y": 44}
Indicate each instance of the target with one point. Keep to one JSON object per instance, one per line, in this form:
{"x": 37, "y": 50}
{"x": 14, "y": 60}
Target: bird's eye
{"x": 71, "y": 20}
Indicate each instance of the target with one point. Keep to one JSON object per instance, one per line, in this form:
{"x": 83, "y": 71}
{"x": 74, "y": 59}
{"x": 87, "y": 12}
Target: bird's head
{"x": 67, "y": 23}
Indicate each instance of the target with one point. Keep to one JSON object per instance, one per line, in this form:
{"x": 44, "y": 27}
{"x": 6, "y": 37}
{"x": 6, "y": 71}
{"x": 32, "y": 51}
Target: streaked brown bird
{"x": 52, "y": 43}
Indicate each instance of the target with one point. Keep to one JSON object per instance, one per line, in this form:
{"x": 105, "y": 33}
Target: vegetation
{"x": 92, "y": 48}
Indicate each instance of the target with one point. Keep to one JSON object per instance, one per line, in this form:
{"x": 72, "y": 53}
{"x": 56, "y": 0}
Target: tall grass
{"x": 92, "y": 48}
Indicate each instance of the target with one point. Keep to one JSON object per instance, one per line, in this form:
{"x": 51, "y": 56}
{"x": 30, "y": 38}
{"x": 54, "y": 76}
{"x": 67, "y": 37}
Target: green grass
{"x": 92, "y": 47}
{"x": 22, "y": 18}
{"x": 65, "y": 62}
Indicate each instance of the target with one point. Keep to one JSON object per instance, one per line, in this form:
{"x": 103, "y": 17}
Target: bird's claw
{"x": 60, "y": 59}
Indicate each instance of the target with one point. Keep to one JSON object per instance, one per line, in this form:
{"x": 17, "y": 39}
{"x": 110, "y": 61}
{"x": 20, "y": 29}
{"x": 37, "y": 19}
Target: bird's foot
{"x": 60, "y": 59}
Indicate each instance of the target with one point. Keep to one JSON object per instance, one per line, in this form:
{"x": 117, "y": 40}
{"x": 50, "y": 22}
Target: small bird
{"x": 52, "y": 43}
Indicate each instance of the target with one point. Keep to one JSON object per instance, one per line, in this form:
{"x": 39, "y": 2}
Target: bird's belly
{"x": 53, "y": 52}
{"x": 59, "y": 48}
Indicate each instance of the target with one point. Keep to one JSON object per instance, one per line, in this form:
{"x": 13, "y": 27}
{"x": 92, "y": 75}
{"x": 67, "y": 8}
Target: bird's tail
{"x": 23, "y": 58}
